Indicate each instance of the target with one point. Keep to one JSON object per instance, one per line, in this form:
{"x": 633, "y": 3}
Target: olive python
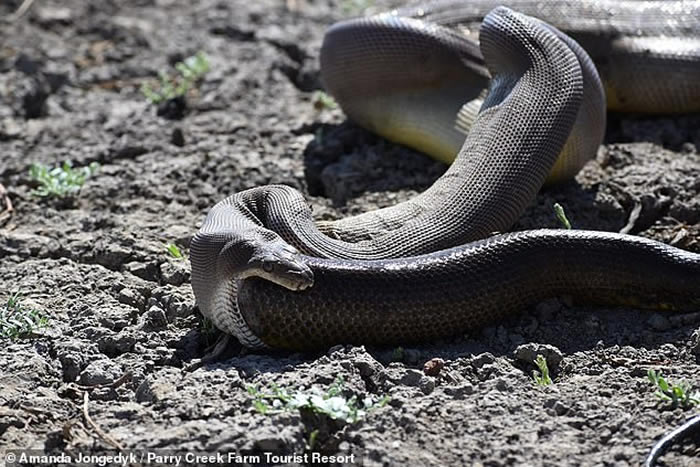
{"x": 265, "y": 272}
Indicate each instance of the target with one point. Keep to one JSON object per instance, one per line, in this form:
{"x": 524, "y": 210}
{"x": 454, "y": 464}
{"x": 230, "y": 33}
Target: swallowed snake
{"x": 263, "y": 271}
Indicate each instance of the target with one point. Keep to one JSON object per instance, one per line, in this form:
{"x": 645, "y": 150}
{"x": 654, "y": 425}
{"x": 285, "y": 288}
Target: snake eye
{"x": 268, "y": 266}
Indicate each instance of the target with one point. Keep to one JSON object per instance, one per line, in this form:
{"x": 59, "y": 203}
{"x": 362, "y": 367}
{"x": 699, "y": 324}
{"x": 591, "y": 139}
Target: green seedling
{"x": 680, "y": 394}
{"x": 312, "y": 439}
{"x": 331, "y": 403}
{"x": 323, "y": 101}
{"x": 561, "y": 215}
{"x": 61, "y": 181}
{"x": 189, "y": 71}
{"x": 542, "y": 377}
{"x": 17, "y": 320}
{"x": 174, "y": 251}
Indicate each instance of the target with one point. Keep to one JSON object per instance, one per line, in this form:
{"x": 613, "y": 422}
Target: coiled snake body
{"x": 377, "y": 68}
{"x": 263, "y": 271}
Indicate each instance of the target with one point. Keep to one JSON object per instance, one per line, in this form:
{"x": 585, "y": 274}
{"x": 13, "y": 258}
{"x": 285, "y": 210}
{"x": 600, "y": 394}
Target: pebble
{"x": 433, "y": 366}
{"x": 527, "y": 353}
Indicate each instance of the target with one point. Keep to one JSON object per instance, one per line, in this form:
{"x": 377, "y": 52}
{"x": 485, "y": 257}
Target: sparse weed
{"x": 561, "y": 215}
{"x": 331, "y": 403}
{"x": 542, "y": 379}
{"x": 18, "y": 321}
{"x": 169, "y": 86}
{"x": 397, "y": 354}
{"x": 174, "y": 251}
{"x": 323, "y": 101}
{"x": 680, "y": 394}
{"x": 61, "y": 181}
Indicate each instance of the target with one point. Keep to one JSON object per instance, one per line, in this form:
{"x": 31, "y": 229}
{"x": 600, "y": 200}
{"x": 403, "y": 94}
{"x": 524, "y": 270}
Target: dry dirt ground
{"x": 122, "y": 322}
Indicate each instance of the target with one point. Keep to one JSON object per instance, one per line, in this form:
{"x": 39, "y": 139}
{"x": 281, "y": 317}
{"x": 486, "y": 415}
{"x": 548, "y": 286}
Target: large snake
{"x": 647, "y": 53}
{"x": 263, "y": 271}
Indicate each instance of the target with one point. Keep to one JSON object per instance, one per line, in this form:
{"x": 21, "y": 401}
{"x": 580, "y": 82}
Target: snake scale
{"x": 263, "y": 271}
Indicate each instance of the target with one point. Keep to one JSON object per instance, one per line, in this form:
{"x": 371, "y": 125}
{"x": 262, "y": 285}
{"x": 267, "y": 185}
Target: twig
{"x": 634, "y": 217}
{"x": 23, "y": 8}
{"x": 103, "y": 436}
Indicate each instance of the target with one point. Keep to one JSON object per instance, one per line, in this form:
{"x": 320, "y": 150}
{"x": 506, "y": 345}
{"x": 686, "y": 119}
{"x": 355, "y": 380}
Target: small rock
{"x": 178, "y": 137}
{"x": 154, "y": 389}
{"x": 556, "y": 405}
{"x": 270, "y": 443}
{"x": 49, "y": 16}
{"x": 458, "y": 392}
{"x": 694, "y": 344}
{"x": 411, "y": 378}
{"x": 366, "y": 364}
{"x": 527, "y": 353}
{"x": 129, "y": 296}
{"x": 433, "y": 366}
{"x": 153, "y": 319}
{"x": 482, "y": 359}
{"x": 173, "y": 109}
{"x": 71, "y": 363}
{"x": 174, "y": 272}
{"x": 427, "y": 384}
{"x": 100, "y": 372}
{"x": 142, "y": 270}
{"x": 502, "y": 384}
{"x": 117, "y": 344}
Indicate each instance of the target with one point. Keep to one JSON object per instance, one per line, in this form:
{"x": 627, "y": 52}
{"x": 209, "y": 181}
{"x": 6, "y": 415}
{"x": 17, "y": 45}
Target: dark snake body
{"x": 647, "y": 51}
{"x": 538, "y": 81}
{"x": 454, "y": 291}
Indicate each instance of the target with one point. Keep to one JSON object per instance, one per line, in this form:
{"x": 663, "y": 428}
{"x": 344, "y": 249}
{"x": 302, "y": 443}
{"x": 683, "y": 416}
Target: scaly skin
{"x": 427, "y": 97}
{"x": 526, "y": 118}
{"x": 534, "y": 100}
{"x": 458, "y": 290}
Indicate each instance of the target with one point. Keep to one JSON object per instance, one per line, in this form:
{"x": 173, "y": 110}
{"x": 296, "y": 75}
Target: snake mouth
{"x": 281, "y": 264}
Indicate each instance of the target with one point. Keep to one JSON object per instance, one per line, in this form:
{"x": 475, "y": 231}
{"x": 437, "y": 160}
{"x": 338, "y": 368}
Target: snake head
{"x": 282, "y": 264}
{"x": 264, "y": 254}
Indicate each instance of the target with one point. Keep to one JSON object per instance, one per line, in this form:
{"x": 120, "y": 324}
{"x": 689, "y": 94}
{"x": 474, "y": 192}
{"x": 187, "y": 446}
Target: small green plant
{"x": 61, "y": 181}
{"x": 322, "y": 101}
{"x": 174, "y": 251}
{"x": 542, "y": 377}
{"x": 169, "y": 86}
{"x": 561, "y": 215}
{"x": 18, "y": 321}
{"x": 680, "y": 394}
{"x": 313, "y": 436}
{"x": 331, "y": 403}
